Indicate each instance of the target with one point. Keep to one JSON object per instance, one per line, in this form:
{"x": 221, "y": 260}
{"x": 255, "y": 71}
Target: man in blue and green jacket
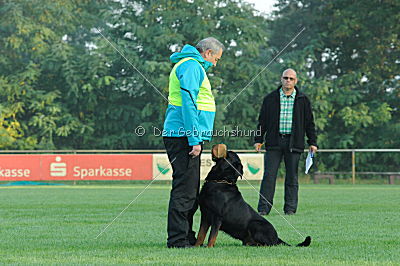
{"x": 189, "y": 121}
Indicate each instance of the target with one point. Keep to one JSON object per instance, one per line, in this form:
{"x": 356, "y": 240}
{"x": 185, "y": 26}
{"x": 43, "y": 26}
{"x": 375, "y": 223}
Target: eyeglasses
{"x": 289, "y": 78}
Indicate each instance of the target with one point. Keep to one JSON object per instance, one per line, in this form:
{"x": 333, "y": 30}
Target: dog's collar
{"x": 222, "y": 182}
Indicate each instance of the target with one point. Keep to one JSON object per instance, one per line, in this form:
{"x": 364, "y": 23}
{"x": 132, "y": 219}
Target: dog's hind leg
{"x": 249, "y": 241}
{"x": 204, "y": 226}
{"x": 215, "y": 226}
{"x": 264, "y": 233}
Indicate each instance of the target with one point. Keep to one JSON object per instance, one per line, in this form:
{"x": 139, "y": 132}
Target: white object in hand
{"x": 309, "y": 161}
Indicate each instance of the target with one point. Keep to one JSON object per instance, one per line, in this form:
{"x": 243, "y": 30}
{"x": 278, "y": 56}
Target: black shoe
{"x": 290, "y": 213}
{"x": 192, "y": 238}
{"x": 263, "y": 213}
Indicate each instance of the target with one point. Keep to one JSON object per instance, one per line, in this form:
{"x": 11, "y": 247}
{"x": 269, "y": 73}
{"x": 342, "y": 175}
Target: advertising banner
{"x": 253, "y": 166}
{"x": 76, "y": 167}
{"x": 28, "y": 167}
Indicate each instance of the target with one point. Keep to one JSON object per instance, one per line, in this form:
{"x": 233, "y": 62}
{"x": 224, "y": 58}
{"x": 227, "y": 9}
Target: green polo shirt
{"x": 286, "y": 114}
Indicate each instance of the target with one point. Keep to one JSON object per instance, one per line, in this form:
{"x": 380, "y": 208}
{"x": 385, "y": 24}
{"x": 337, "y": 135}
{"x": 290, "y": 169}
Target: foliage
{"x": 84, "y": 74}
{"x": 147, "y": 32}
{"x": 351, "y": 47}
{"x": 46, "y": 74}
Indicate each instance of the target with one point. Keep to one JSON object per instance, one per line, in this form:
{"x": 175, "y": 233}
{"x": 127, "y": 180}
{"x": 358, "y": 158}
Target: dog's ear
{"x": 218, "y": 151}
{"x": 236, "y": 163}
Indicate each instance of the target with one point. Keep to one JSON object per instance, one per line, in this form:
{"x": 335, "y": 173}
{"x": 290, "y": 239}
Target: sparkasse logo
{"x": 58, "y": 169}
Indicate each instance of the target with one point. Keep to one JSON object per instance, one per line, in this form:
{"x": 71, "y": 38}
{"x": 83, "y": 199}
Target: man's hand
{"x": 257, "y": 146}
{"x": 196, "y": 149}
{"x": 313, "y": 149}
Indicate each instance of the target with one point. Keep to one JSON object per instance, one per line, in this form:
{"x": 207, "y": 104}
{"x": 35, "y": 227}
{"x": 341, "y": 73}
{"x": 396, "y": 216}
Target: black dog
{"x": 223, "y": 207}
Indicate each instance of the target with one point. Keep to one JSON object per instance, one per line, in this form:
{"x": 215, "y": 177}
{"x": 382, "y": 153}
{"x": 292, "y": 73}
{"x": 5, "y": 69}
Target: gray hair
{"x": 289, "y": 69}
{"x": 210, "y": 43}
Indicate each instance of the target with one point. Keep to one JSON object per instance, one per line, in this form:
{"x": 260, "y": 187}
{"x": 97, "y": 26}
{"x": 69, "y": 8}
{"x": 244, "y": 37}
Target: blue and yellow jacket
{"x": 191, "y": 109}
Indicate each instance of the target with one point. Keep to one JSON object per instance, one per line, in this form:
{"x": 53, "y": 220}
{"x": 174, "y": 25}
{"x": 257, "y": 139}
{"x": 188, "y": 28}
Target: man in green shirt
{"x": 285, "y": 118}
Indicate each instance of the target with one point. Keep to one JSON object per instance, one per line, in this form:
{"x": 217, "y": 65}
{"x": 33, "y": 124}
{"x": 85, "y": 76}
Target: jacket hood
{"x": 190, "y": 51}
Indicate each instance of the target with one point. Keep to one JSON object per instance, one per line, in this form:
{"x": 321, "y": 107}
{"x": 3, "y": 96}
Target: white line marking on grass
{"x": 105, "y": 228}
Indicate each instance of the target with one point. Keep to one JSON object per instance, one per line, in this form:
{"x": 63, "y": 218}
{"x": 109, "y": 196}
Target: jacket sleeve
{"x": 309, "y": 124}
{"x": 190, "y": 77}
{"x": 261, "y": 127}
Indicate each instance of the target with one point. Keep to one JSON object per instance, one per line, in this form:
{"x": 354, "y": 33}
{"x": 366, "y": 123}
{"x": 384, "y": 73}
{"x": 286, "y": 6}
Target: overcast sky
{"x": 263, "y": 5}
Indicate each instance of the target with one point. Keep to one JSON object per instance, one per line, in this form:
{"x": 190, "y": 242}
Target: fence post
{"x": 353, "y": 165}
{"x": 74, "y": 179}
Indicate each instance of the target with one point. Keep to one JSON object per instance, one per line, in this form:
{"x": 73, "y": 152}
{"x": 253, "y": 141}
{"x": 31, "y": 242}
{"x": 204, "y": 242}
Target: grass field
{"x": 350, "y": 225}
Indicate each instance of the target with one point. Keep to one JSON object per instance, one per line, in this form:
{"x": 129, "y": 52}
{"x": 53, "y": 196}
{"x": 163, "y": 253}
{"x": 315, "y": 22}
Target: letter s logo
{"x": 58, "y": 169}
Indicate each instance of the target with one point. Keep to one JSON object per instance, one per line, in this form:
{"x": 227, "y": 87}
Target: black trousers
{"x": 272, "y": 160}
{"x": 183, "y": 201}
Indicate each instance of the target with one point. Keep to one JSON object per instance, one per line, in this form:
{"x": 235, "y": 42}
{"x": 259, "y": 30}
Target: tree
{"x": 353, "y": 46}
{"x": 45, "y": 77}
{"x": 63, "y": 85}
{"x": 147, "y": 32}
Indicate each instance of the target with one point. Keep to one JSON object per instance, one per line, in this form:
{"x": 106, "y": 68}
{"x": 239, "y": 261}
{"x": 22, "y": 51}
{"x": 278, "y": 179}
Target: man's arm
{"x": 259, "y": 139}
{"x": 190, "y": 76}
{"x": 310, "y": 126}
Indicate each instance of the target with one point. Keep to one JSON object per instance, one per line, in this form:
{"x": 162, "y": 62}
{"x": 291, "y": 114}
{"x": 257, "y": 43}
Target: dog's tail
{"x": 305, "y": 243}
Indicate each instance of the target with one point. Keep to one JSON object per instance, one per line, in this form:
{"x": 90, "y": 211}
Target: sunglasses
{"x": 288, "y": 78}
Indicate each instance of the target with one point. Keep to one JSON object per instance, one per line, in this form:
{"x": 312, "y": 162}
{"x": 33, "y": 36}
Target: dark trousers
{"x": 183, "y": 201}
{"x": 272, "y": 160}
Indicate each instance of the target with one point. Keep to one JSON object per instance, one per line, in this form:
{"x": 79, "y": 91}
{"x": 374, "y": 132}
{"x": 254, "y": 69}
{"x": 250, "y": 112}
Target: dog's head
{"x": 228, "y": 166}
{"x": 218, "y": 151}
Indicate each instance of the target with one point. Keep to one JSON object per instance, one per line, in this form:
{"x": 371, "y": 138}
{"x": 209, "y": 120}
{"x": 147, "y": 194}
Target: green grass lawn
{"x": 349, "y": 225}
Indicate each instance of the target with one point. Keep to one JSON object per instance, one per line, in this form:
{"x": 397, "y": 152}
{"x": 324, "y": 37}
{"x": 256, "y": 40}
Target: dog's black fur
{"x": 223, "y": 208}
